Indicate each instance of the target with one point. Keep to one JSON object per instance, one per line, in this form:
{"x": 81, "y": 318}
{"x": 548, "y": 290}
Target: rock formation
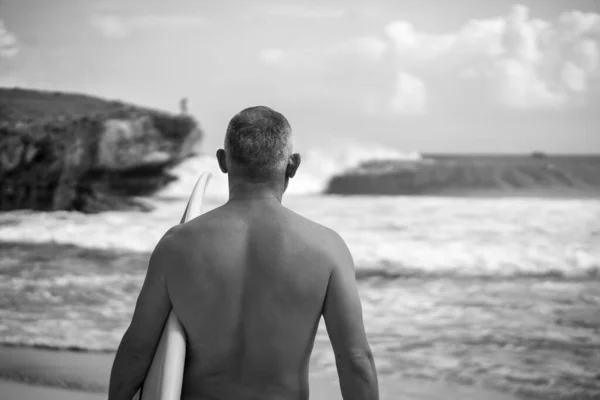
{"x": 474, "y": 175}
{"x": 73, "y": 152}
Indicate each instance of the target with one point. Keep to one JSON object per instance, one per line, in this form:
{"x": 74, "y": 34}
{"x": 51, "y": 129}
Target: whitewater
{"x": 500, "y": 292}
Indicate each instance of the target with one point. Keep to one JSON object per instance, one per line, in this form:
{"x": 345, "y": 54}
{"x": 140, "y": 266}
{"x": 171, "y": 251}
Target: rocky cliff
{"x": 61, "y": 151}
{"x": 474, "y": 175}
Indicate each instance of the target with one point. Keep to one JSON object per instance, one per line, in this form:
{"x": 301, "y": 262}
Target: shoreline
{"x": 32, "y": 373}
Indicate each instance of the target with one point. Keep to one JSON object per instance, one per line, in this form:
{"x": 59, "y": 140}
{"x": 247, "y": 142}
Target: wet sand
{"x": 30, "y": 373}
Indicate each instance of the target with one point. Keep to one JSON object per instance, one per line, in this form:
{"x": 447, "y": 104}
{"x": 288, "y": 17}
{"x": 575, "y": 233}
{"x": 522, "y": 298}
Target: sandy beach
{"x": 29, "y": 374}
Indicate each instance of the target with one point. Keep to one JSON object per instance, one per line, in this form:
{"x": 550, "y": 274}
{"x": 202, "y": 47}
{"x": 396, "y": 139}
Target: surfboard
{"x": 165, "y": 376}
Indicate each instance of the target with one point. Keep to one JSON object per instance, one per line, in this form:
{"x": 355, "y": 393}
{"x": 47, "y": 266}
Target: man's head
{"x": 258, "y": 146}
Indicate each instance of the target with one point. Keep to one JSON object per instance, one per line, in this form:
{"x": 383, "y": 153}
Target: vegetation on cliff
{"x": 61, "y": 151}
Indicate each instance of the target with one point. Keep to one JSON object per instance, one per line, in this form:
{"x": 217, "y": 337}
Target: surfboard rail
{"x": 165, "y": 376}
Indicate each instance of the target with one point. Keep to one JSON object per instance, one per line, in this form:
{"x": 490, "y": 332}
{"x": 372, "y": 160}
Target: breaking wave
{"x": 318, "y": 166}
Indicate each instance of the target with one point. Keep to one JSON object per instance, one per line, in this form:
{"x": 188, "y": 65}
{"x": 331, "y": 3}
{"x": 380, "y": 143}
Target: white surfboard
{"x": 165, "y": 376}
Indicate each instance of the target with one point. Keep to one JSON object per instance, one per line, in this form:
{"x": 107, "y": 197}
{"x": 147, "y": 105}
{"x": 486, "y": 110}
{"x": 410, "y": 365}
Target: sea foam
{"x": 318, "y": 165}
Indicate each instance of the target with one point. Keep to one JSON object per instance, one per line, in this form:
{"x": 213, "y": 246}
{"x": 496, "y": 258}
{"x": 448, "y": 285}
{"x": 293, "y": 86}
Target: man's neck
{"x": 246, "y": 191}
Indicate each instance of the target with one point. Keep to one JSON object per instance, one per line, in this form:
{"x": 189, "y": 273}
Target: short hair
{"x": 259, "y": 138}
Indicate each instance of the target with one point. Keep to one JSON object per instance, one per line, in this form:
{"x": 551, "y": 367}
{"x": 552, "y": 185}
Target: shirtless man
{"x": 249, "y": 282}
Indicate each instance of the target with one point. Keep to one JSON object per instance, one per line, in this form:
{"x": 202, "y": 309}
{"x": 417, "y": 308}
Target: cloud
{"x": 514, "y": 61}
{"x": 110, "y": 26}
{"x": 117, "y": 27}
{"x": 349, "y": 73}
{"x": 349, "y": 53}
{"x": 518, "y": 85}
{"x": 301, "y": 11}
{"x": 353, "y": 73}
{"x": 8, "y": 42}
{"x": 409, "y": 96}
{"x": 417, "y": 45}
{"x": 574, "y": 77}
{"x": 529, "y": 63}
{"x": 271, "y": 56}
{"x": 367, "y": 47}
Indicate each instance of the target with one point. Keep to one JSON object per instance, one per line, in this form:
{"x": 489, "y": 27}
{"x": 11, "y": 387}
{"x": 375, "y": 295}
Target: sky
{"x": 444, "y": 76}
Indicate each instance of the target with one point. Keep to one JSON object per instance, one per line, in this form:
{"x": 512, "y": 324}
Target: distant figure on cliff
{"x": 249, "y": 282}
{"x": 183, "y": 106}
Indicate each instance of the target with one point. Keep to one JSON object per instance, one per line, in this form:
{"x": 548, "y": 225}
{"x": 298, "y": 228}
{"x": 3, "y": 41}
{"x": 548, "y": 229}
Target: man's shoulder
{"x": 326, "y": 237}
{"x": 204, "y": 221}
{"x": 305, "y": 222}
{"x": 187, "y": 230}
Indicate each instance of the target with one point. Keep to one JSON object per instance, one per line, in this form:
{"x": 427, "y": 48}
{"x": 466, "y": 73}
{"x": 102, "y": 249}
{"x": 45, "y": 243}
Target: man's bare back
{"x": 249, "y": 292}
{"x": 249, "y": 282}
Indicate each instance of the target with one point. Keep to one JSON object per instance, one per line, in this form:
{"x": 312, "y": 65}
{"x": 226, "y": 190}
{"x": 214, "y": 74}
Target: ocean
{"x": 495, "y": 292}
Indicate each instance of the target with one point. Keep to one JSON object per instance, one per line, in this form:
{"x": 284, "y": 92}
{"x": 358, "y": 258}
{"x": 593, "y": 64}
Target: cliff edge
{"x": 63, "y": 151}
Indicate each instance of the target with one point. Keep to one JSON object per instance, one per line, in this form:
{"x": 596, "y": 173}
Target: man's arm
{"x": 342, "y": 312}
{"x": 139, "y": 343}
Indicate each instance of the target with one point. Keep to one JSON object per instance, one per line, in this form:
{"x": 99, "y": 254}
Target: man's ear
{"x": 293, "y": 164}
{"x": 222, "y": 160}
